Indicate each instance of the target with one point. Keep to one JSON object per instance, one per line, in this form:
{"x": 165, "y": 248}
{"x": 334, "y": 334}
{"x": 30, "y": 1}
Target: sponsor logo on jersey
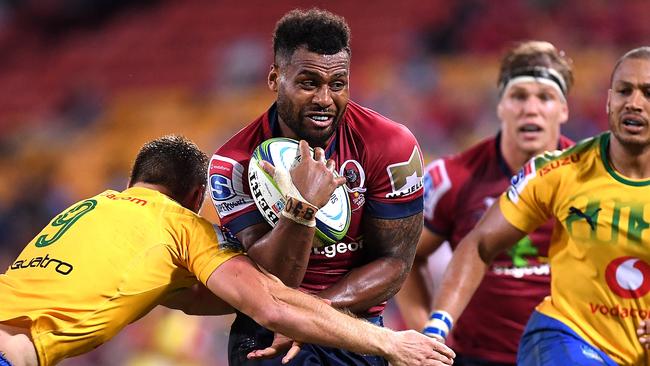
{"x": 524, "y": 248}
{"x": 628, "y": 277}
{"x": 226, "y": 207}
{"x": 436, "y": 183}
{"x": 332, "y": 250}
{"x": 355, "y": 178}
{"x": 576, "y": 214}
{"x": 520, "y": 272}
{"x": 227, "y": 188}
{"x": 44, "y": 262}
{"x": 554, "y": 164}
{"x": 520, "y": 180}
{"x": 136, "y": 200}
{"x": 406, "y": 177}
{"x": 618, "y": 311}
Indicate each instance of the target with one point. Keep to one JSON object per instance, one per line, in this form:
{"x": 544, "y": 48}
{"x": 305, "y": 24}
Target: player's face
{"x": 628, "y": 103}
{"x": 531, "y": 114}
{"x": 313, "y": 92}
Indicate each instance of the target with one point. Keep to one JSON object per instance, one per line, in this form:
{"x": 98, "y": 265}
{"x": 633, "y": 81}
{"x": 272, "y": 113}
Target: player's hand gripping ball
{"x": 332, "y": 220}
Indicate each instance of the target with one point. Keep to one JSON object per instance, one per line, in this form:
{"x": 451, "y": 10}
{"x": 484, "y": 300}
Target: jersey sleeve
{"x": 438, "y": 198}
{"x": 205, "y": 248}
{"x": 526, "y": 203}
{"x": 395, "y": 171}
{"x": 230, "y": 192}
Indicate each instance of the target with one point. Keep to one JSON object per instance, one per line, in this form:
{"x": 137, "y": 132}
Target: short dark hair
{"x": 636, "y": 53}
{"x": 317, "y": 30}
{"x": 530, "y": 54}
{"x": 172, "y": 161}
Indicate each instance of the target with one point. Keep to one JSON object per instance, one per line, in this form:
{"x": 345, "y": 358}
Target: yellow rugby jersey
{"x": 600, "y": 249}
{"x": 103, "y": 263}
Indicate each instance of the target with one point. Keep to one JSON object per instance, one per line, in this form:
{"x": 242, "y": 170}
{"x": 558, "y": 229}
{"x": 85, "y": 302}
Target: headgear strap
{"x": 538, "y": 74}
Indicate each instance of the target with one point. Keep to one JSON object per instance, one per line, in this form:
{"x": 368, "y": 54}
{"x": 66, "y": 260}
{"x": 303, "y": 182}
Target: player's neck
{"x": 156, "y": 187}
{"x": 515, "y": 158}
{"x": 631, "y": 161}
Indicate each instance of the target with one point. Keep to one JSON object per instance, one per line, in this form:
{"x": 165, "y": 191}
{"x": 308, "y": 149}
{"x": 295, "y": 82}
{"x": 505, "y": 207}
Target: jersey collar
{"x": 604, "y": 147}
{"x": 503, "y": 166}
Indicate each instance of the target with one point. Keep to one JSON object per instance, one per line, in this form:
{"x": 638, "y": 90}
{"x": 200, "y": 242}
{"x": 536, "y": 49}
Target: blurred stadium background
{"x": 84, "y": 83}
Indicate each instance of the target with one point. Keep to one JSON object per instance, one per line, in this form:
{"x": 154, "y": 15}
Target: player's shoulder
{"x": 373, "y": 128}
{"x": 231, "y": 159}
{"x": 242, "y": 144}
{"x": 462, "y": 165}
{"x": 552, "y": 168}
{"x": 562, "y": 163}
{"x": 479, "y": 154}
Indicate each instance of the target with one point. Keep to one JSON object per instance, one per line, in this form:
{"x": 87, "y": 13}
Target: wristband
{"x": 439, "y": 324}
{"x": 300, "y": 211}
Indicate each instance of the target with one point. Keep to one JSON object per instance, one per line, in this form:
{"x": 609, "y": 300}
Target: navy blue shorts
{"x": 246, "y": 336}
{"x": 3, "y": 360}
{"x": 549, "y": 342}
{"x": 462, "y": 360}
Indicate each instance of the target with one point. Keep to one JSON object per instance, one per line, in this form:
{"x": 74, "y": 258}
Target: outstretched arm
{"x": 475, "y": 252}
{"x": 391, "y": 245}
{"x": 307, "y": 319}
{"x": 414, "y": 299}
{"x": 197, "y": 300}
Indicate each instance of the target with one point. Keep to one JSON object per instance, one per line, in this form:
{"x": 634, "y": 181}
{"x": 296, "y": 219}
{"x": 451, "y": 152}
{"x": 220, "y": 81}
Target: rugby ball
{"x": 332, "y": 220}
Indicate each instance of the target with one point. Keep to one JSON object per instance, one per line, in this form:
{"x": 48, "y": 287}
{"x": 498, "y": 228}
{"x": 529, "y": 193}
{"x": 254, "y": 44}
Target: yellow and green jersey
{"x": 600, "y": 248}
{"x": 103, "y": 263}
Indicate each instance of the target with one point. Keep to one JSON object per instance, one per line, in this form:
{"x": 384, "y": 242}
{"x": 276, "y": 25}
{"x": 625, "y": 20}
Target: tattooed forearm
{"x": 394, "y": 238}
{"x": 390, "y": 248}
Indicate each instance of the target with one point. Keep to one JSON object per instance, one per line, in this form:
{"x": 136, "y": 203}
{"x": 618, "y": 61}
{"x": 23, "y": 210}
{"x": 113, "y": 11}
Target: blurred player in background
{"x": 380, "y": 160}
{"x": 534, "y": 81}
{"x": 599, "y": 194}
{"x": 108, "y": 260}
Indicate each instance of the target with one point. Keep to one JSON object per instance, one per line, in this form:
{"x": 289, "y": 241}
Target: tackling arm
{"x": 465, "y": 272}
{"x": 271, "y": 250}
{"x": 307, "y": 319}
{"x": 392, "y": 244}
{"x": 414, "y": 299}
{"x": 197, "y": 300}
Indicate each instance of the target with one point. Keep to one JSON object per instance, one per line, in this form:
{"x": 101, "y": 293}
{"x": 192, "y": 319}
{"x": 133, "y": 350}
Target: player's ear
{"x": 500, "y": 111}
{"x": 194, "y": 199}
{"x": 564, "y": 112}
{"x": 272, "y": 79}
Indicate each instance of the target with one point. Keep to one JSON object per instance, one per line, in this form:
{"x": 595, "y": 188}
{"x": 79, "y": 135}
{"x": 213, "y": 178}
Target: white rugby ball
{"x": 332, "y": 220}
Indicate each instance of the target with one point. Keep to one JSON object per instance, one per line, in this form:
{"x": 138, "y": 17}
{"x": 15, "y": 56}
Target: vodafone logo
{"x": 628, "y": 277}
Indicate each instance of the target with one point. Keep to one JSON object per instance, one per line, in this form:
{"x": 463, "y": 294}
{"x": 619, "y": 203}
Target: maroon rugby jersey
{"x": 380, "y": 159}
{"x": 458, "y": 190}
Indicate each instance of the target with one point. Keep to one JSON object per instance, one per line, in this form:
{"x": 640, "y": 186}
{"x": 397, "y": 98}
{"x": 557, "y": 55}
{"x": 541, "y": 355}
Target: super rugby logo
{"x": 226, "y": 188}
{"x": 221, "y": 187}
{"x": 628, "y": 277}
{"x": 406, "y": 177}
{"x": 520, "y": 180}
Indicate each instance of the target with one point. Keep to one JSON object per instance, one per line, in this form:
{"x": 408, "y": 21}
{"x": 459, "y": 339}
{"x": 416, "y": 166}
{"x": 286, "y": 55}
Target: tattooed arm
{"x": 391, "y": 246}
